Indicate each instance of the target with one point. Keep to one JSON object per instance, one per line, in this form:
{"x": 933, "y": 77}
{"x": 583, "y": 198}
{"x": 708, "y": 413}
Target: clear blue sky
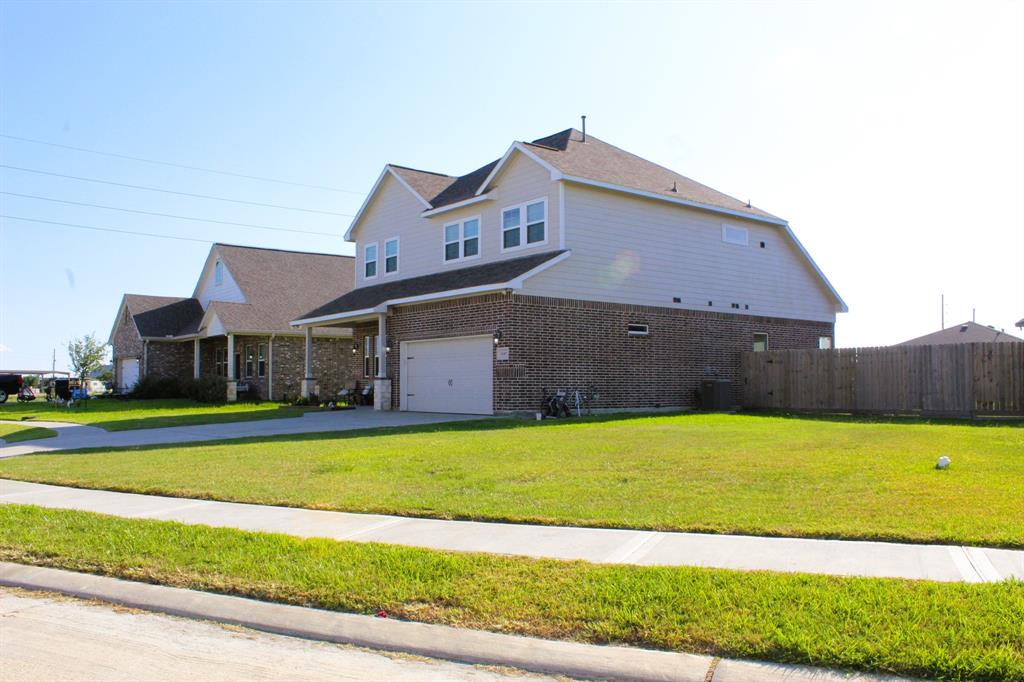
{"x": 889, "y": 135}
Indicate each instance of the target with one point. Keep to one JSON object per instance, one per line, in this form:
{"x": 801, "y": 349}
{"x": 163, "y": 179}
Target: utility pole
{"x": 943, "y": 311}
{"x": 53, "y": 365}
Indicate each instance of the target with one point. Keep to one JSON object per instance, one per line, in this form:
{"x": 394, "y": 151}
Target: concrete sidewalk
{"x": 78, "y": 436}
{"x": 831, "y": 557}
{"x": 576, "y": 660}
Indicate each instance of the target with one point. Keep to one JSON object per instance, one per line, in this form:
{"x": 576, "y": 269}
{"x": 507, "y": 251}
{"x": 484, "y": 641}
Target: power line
{"x": 108, "y": 229}
{"x": 168, "y": 215}
{"x": 168, "y": 191}
{"x": 180, "y": 165}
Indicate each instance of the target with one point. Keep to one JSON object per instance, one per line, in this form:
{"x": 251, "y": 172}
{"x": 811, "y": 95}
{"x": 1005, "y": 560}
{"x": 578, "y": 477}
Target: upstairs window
{"x": 462, "y": 239}
{"x": 370, "y": 261}
{"x": 760, "y": 342}
{"x": 532, "y": 216}
{"x": 218, "y": 273}
{"x": 734, "y": 235}
{"x": 391, "y": 255}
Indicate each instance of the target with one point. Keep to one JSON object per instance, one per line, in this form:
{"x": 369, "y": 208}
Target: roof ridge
{"x": 420, "y": 170}
{"x": 269, "y": 248}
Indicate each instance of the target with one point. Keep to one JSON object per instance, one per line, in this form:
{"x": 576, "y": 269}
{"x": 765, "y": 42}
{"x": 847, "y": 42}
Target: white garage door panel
{"x": 448, "y": 375}
{"x": 129, "y": 373}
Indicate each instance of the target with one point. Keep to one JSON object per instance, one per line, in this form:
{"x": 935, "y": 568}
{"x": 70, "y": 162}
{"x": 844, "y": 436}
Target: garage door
{"x": 129, "y": 373}
{"x": 448, "y": 375}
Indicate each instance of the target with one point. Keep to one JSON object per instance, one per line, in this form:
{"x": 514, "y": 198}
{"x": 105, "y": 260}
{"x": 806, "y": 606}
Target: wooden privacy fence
{"x": 962, "y": 380}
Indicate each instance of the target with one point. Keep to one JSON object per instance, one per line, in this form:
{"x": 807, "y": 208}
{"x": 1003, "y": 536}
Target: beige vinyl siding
{"x": 208, "y": 290}
{"x": 396, "y": 212}
{"x": 641, "y": 251}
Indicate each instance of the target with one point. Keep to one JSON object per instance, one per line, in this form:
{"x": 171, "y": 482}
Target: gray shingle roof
{"x": 160, "y": 316}
{"x": 591, "y": 160}
{"x": 968, "y": 332}
{"x": 279, "y": 285}
{"x": 498, "y": 272}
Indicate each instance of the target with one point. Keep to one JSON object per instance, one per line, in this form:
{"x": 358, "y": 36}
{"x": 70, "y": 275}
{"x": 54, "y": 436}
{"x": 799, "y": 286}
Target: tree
{"x": 86, "y": 355}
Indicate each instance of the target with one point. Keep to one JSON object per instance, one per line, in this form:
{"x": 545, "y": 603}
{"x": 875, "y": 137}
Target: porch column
{"x": 232, "y": 379}
{"x": 308, "y": 380}
{"x": 195, "y": 358}
{"x": 382, "y": 384}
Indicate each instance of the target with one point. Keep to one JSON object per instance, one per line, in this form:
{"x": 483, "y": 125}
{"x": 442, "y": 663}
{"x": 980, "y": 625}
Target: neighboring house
{"x": 968, "y": 332}
{"x": 236, "y": 324}
{"x": 564, "y": 264}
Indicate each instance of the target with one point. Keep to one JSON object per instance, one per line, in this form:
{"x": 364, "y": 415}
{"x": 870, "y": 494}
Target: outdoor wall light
{"x": 497, "y": 337}
{"x": 355, "y": 348}
{"x": 387, "y": 346}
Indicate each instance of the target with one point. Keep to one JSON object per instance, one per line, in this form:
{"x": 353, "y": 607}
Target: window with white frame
{"x": 462, "y": 239}
{"x": 734, "y": 235}
{"x": 250, "y": 360}
{"x": 218, "y": 273}
{"x": 371, "y": 356}
{"x": 824, "y": 342}
{"x": 370, "y": 261}
{"x": 391, "y": 255}
{"x": 531, "y": 217}
{"x": 760, "y": 342}
{"x": 220, "y": 362}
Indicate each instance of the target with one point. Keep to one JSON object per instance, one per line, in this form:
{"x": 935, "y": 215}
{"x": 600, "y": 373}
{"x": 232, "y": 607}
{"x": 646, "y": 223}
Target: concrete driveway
{"x": 77, "y": 436}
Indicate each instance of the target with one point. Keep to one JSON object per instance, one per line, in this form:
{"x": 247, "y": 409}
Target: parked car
{"x": 96, "y": 387}
{"x": 10, "y": 384}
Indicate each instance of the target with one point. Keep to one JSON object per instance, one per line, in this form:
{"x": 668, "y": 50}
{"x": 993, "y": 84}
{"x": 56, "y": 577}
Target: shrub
{"x": 207, "y": 389}
{"x": 158, "y": 388}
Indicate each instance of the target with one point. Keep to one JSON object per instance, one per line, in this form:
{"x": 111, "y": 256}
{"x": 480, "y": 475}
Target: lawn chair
{"x": 365, "y": 396}
{"x": 348, "y": 392}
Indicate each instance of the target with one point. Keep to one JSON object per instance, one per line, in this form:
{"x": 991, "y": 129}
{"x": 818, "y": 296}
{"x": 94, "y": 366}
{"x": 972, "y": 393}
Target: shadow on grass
{"x": 981, "y": 422}
{"x": 483, "y": 424}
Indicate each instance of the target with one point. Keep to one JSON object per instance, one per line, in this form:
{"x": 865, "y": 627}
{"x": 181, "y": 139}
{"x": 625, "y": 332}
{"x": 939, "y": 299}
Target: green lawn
{"x": 122, "y": 415}
{"x": 935, "y": 630}
{"x": 15, "y": 433}
{"x": 707, "y": 473}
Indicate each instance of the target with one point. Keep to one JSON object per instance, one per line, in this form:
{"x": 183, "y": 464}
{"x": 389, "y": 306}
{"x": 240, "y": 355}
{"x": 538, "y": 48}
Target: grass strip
{"x": 936, "y": 630}
{"x": 123, "y": 415}
{"x": 15, "y": 433}
{"x": 757, "y": 475}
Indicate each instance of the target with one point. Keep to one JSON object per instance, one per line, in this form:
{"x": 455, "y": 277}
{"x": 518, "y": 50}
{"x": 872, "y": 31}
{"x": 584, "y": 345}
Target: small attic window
{"x": 963, "y": 328}
{"x": 734, "y": 235}
{"x": 218, "y": 273}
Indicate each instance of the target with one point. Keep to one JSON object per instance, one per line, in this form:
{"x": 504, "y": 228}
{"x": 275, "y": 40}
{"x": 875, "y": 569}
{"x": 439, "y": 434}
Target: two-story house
{"x": 567, "y": 263}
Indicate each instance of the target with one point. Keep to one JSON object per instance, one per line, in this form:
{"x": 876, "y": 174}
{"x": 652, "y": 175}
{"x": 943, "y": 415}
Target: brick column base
{"x": 309, "y": 387}
{"x": 232, "y": 395}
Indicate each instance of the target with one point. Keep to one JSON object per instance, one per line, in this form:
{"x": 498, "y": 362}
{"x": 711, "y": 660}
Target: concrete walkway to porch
{"x": 945, "y": 563}
{"x": 78, "y": 436}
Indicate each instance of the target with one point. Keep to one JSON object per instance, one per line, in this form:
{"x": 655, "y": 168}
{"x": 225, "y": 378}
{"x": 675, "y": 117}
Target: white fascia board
{"x": 843, "y": 308}
{"x": 674, "y": 200}
{"x": 517, "y": 283}
{"x": 520, "y": 147}
{"x": 117, "y": 319}
{"x": 202, "y": 273}
{"x": 323, "y": 320}
{"x": 458, "y": 204}
{"x": 373, "y": 191}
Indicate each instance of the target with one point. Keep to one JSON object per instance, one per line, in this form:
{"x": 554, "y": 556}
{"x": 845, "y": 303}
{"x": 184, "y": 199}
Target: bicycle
{"x": 582, "y": 399}
{"x": 556, "y": 405}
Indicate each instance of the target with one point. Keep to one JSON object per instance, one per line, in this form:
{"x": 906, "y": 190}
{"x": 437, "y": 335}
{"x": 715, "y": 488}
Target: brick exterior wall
{"x": 169, "y": 359}
{"x": 126, "y": 344}
{"x": 567, "y": 344}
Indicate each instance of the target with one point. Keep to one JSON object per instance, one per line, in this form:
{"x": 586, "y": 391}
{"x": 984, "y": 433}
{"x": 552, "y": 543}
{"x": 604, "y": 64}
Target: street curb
{"x": 571, "y": 659}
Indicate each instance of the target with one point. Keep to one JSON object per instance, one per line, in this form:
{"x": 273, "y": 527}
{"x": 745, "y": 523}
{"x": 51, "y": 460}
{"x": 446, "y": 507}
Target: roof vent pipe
{"x": 584, "y": 127}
